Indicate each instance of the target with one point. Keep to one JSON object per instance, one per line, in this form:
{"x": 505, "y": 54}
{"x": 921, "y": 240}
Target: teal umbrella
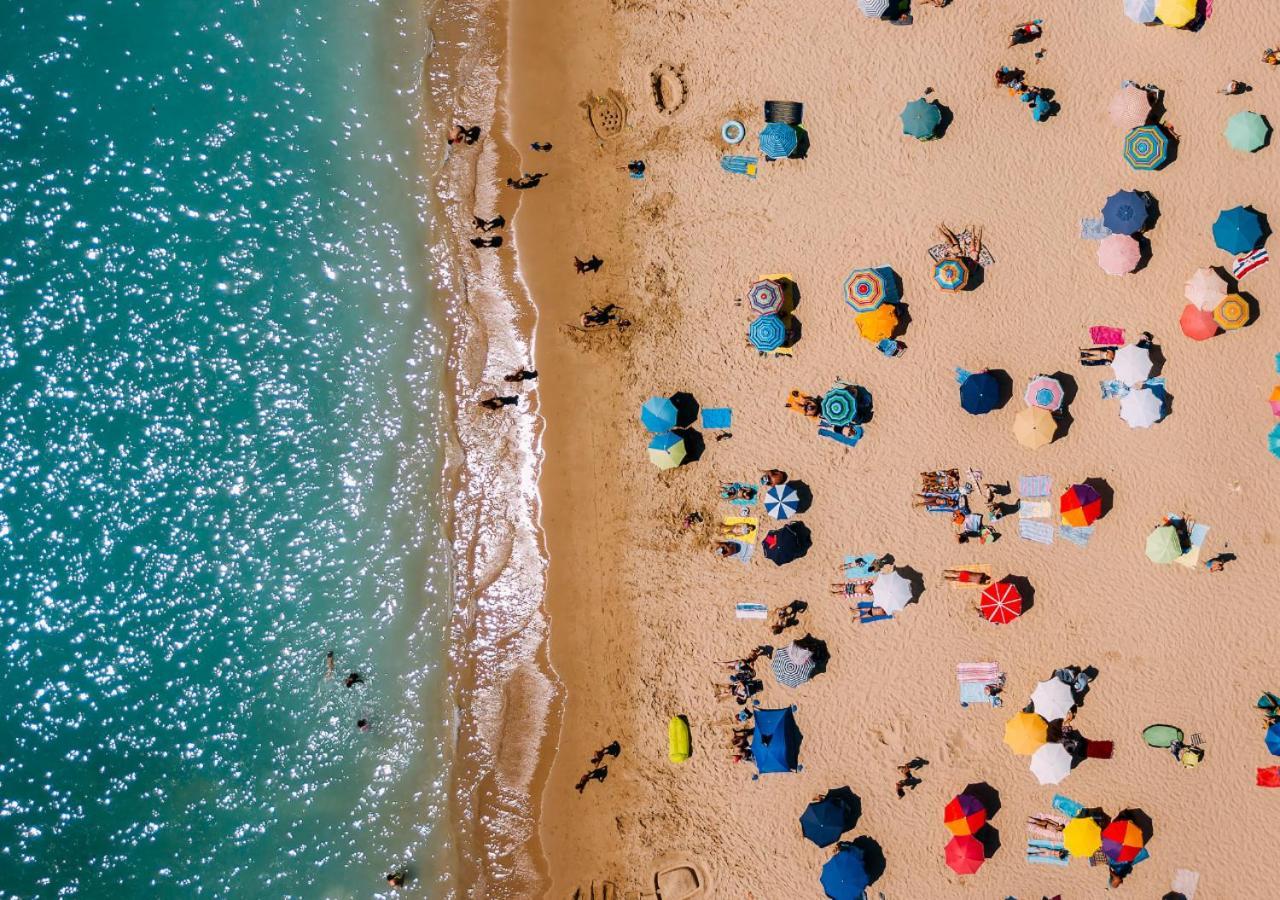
{"x": 1273, "y": 441}
{"x": 1238, "y": 230}
{"x": 768, "y": 333}
{"x": 1246, "y": 131}
{"x": 839, "y": 406}
{"x": 921, "y": 118}
{"x": 659, "y": 414}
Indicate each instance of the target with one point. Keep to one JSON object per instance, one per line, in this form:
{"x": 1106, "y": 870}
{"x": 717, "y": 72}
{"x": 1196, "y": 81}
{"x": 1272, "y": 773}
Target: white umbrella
{"x": 1132, "y": 364}
{"x": 1141, "y": 11}
{"x": 1051, "y": 763}
{"x": 1141, "y": 409}
{"x": 1206, "y": 289}
{"x": 873, "y": 9}
{"x": 1052, "y": 699}
{"x": 891, "y": 591}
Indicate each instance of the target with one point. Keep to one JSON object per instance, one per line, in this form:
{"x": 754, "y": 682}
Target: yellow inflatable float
{"x": 679, "y": 743}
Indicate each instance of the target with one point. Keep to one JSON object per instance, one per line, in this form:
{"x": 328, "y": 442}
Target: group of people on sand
{"x": 598, "y": 772}
{"x": 944, "y": 491}
{"x": 732, "y": 491}
{"x": 743, "y": 683}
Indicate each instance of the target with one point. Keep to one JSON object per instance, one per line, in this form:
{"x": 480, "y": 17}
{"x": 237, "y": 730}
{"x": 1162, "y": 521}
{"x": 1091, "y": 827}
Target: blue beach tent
{"x": 775, "y": 743}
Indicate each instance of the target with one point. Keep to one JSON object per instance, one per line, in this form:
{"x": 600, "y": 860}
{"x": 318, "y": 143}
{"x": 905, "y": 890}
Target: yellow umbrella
{"x": 1026, "y": 733}
{"x": 879, "y": 323}
{"x": 1175, "y": 13}
{"x": 1034, "y": 427}
{"x": 1232, "y": 312}
{"x": 1082, "y": 837}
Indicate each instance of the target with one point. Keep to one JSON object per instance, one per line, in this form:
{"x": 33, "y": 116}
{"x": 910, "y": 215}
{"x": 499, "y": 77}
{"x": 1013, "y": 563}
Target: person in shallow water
{"x": 460, "y": 135}
{"x": 499, "y": 402}
{"x": 397, "y": 878}
{"x": 353, "y": 678}
{"x": 328, "y": 665}
{"x": 522, "y": 375}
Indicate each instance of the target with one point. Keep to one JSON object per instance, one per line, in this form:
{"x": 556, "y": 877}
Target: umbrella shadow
{"x": 904, "y": 320}
{"x": 1158, "y": 109}
{"x": 851, "y": 802}
{"x": 1166, "y": 400}
{"x": 1144, "y": 253}
{"x": 872, "y": 857}
{"x": 977, "y": 275}
{"x": 945, "y": 122}
{"x": 1025, "y": 589}
{"x": 694, "y": 444}
{"x": 1005, "y": 383}
{"x": 1158, "y": 359}
{"x": 1153, "y": 211}
{"x": 804, "y": 496}
{"x": 1174, "y": 146}
{"x": 791, "y": 291}
{"x": 866, "y": 406}
{"x": 1070, "y": 388}
{"x": 802, "y": 144}
{"x": 687, "y": 408}
{"x": 989, "y": 837}
{"x": 821, "y": 655}
{"x": 985, "y": 794}
{"x": 1266, "y": 137}
{"x": 1106, "y": 493}
{"x": 916, "y": 580}
{"x": 795, "y": 331}
{"x": 1141, "y": 819}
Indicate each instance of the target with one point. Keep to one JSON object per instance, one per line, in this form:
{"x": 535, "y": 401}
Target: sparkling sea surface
{"x": 219, "y": 452}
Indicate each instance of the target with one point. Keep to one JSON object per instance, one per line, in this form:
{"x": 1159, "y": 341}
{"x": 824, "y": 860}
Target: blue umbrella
{"x": 775, "y": 741}
{"x": 840, "y": 406}
{"x": 844, "y": 876}
{"x": 1273, "y": 441}
{"x": 1238, "y": 230}
{"x": 823, "y": 821}
{"x": 1125, "y": 212}
{"x": 1273, "y": 739}
{"x": 768, "y": 333}
{"x": 659, "y": 414}
{"x": 980, "y": 393}
{"x": 781, "y": 501}
{"x": 778, "y": 140}
{"x": 920, "y": 119}
{"x": 1040, "y": 108}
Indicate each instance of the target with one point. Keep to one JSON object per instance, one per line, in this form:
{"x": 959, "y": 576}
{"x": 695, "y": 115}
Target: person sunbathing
{"x": 1271, "y": 57}
{"x": 725, "y": 548}
{"x": 741, "y": 529}
{"x": 868, "y": 612}
{"x": 803, "y": 403}
{"x": 773, "y": 476}
{"x": 736, "y": 491}
{"x": 1025, "y": 33}
{"x": 1046, "y": 824}
{"x": 852, "y": 589}
{"x": 1054, "y": 852}
{"x": 1097, "y": 356}
{"x": 938, "y": 501}
{"x": 965, "y": 576}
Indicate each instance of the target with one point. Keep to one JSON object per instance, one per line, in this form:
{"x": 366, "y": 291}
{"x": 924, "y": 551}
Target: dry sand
{"x": 640, "y": 611}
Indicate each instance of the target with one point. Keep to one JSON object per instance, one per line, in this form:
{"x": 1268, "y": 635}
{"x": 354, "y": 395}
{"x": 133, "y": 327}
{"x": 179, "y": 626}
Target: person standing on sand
{"x": 608, "y": 750}
{"x": 599, "y": 773}
{"x": 591, "y": 265}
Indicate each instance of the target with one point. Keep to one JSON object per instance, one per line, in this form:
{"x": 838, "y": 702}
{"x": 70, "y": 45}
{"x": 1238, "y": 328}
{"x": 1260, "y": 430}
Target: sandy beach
{"x": 641, "y": 610}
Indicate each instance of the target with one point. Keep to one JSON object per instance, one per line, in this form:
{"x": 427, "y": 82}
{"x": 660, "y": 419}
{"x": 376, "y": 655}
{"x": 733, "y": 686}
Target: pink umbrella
{"x": 1130, "y": 107}
{"x": 1118, "y": 254}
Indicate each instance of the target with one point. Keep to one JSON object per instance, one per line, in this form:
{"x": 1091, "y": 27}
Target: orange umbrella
{"x": 877, "y": 324}
{"x": 1232, "y": 312}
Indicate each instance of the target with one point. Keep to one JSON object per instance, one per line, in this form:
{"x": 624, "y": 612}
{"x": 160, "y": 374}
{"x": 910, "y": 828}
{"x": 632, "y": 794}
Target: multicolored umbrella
{"x": 666, "y": 450}
{"x": 1146, "y": 147}
{"x": 1132, "y": 364}
{"x": 781, "y": 501}
{"x": 1082, "y": 837}
{"x": 1176, "y": 13}
{"x": 659, "y": 414}
{"x": 879, "y": 324}
{"x": 766, "y": 297}
{"x": 1274, "y": 400}
{"x": 778, "y": 140}
{"x": 1232, "y": 312}
{"x": 1197, "y": 324}
{"x": 866, "y": 289}
{"x": 979, "y": 393}
{"x": 1246, "y": 131}
{"x": 874, "y": 9}
{"x": 1141, "y": 408}
{"x": 920, "y": 119}
{"x": 844, "y": 876}
{"x": 1125, "y": 212}
{"x": 1034, "y": 427}
{"x": 1129, "y": 107}
{"x": 1163, "y": 544}
{"x": 1080, "y": 506}
{"x": 951, "y": 274}
{"x": 1051, "y": 763}
{"x": 1026, "y": 733}
{"x": 767, "y": 333}
{"x": 964, "y": 815}
{"x": 1206, "y": 288}
{"x": 1238, "y": 230}
{"x": 1052, "y": 699}
{"x": 1141, "y": 11}
{"x": 891, "y": 592}
{"x": 1118, "y": 254}
{"x": 965, "y": 854}
{"x": 840, "y": 406}
{"x": 1122, "y": 841}
{"x": 1001, "y": 603}
{"x": 792, "y": 665}
{"x": 1045, "y": 392}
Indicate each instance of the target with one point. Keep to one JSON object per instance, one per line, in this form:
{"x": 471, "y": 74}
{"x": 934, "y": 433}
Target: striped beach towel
{"x": 1047, "y": 834}
{"x": 750, "y": 611}
{"x": 1034, "y": 485}
{"x": 1033, "y": 530}
{"x": 740, "y": 165}
{"x": 1247, "y": 262}
{"x": 981, "y": 672}
{"x": 1076, "y": 535}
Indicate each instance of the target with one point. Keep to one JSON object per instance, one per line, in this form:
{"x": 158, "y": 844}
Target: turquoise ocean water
{"x": 219, "y": 433}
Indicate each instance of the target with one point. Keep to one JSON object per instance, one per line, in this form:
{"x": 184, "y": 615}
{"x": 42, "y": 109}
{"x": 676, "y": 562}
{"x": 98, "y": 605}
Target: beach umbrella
{"x": 1141, "y": 408}
{"x": 781, "y": 501}
{"x": 1274, "y": 400}
{"x": 1125, "y": 212}
{"x": 1052, "y": 699}
{"x": 865, "y": 289}
{"x": 775, "y": 741}
{"x": 874, "y": 9}
{"x": 891, "y": 591}
{"x": 1118, "y": 254}
{"x": 844, "y": 876}
{"x": 920, "y": 119}
{"x": 1237, "y": 230}
{"x": 1129, "y": 107}
{"x": 792, "y": 665}
{"x": 1079, "y": 506}
{"x": 823, "y": 821}
{"x": 1026, "y": 733}
{"x": 1051, "y": 763}
{"x": 951, "y": 274}
{"x": 1175, "y": 13}
{"x": 1206, "y": 288}
{"x": 1273, "y": 739}
{"x": 1001, "y": 603}
{"x": 1146, "y": 147}
{"x": 1141, "y": 11}
{"x": 766, "y": 297}
{"x": 965, "y": 814}
{"x": 659, "y": 414}
{"x": 1034, "y": 427}
{"x": 1197, "y": 324}
{"x": 1273, "y": 441}
{"x": 1132, "y": 364}
{"x": 1045, "y": 392}
{"x": 1082, "y": 837}
{"x": 1122, "y": 841}
{"x": 778, "y": 140}
{"x": 1232, "y": 312}
{"x": 785, "y": 544}
{"x": 767, "y": 333}
{"x": 666, "y": 450}
{"x": 840, "y": 406}
{"x": 879, "y": 324}
{"x": 965, "y": 855}
{"x": 1246, "y": 131}
{"x": 1040, "y": 108}
{"x": 979, "y": 393}
{"x": 1163, "y": 544}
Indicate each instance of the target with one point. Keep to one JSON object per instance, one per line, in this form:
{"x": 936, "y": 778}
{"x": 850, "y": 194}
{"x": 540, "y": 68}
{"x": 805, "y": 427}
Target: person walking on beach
{"x": 460, "y": 135}
{"x": 541, "y": 146}
{"x": 591, "y": 265}
{"x": 526, "y": 181}
{"x": 488, "y": 224}
{"x": 600, "y": 773}
{"x": 522, "y": 375}
{"x": 486, "y": 242}
{"x": 612, "y": 749}
{"x": 909, "y": 779}
{"x": 496, "y": 402}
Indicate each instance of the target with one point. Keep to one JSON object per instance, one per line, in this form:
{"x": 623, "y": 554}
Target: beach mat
{"x": 1106, "y": 335}
{"x": 740, "y": 165}
{"x": 717, "y": 418}
{"x": 973, "y": 693}
{"x": 1078, "y": 535}
{"x": 750, "y": 611}
{"x": 1035, "y": 531}
{"x": 1034, "y": 486}
{"x": 1035, "y": 509}
{"x": 859, "y": 565}
{"x": 744, "y": 520}
{"x": 744, "y": 551}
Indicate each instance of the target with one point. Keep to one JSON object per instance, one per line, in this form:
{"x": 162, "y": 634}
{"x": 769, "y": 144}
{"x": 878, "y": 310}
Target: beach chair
{"x": 867, "y": 604}
{"x": 827, "y": 430}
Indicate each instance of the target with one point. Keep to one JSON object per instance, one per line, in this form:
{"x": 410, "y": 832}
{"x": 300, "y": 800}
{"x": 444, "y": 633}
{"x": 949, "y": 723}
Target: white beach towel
{"x": 1185, "y": 882}
{"x": 751, "y": 611}
{"x": 1035, "y": 509}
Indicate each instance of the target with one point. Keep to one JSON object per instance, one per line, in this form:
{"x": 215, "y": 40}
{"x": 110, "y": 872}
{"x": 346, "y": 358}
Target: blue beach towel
{"x": 858, "y": 566}
{"x": 1076, "y": 535}
{"x": 740, "y": 165}
{"x": 867, "y": 604}
{"x": 1067, "y": 806}
{"x": 827, "y": 430}
{"x": 1034, "y": 530}
{"x": 718, "y": 417}
{"x": 750, "y": 611}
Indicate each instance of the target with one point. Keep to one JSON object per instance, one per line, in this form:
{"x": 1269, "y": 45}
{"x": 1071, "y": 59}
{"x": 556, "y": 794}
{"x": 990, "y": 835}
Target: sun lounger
{"x": 1067, "y": 806}
{"x": 827, "y": 430}
{"x": 740, "y": 165}
{"x": 867, "y": 604}
{"x": 744, "y": 520}
{"x": 983, "y": 569}
{"x": 750, "y": 611}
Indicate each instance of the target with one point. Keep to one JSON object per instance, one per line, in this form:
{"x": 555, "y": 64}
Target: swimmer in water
{"x": 328, "y": 665}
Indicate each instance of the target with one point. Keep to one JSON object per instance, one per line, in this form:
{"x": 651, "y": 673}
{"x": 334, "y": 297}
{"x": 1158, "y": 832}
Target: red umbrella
{"x": 1197, "y": 324}
{"x": 1122, "y": 841}
{"x": 964, "y": 815}
{"x": 965, "y": 854}
{"x": 1001, "y": 603}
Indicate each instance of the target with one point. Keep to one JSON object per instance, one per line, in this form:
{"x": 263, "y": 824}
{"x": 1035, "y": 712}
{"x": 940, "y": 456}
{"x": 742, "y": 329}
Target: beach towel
{"x": 973, "y": 693}
{"x": 972, "y": 585}
{"x": 1269, "y": 776}
{"x": 1191, "y": 558}
{"x": 1093, "y": 229}
{"x": 738, "y": 501}
{"x": 1078, "y": 535}
{"x": 867, "y": 604}
{"x": 939, "y": 252}
{"x": 717, "y": 417}
{"x": 740, "y": 165}
{"x": 1106, "y": 336}
{"x": 827, "y": 430}
{"x": 859, "y": 565}
{"x": 1035, "y": 531}
{"x": 1045, "y": 845}
{"x": 1185, "y": 882}
{"x": 1246, "y": 263}
{"x": 1047, "y": 834}
{"x": 744, "y": 520}
{"x": 744, "y": 551}
{"x": 1067, "y": 806}
{"x": 978, "y": 673}
{"x": 1098, "y": 749}
{"x": 1035, "y": 509}
{"x": 973, "y": 523}
{"x": 750, "y": 611}
{"x": 1034, "y": 485}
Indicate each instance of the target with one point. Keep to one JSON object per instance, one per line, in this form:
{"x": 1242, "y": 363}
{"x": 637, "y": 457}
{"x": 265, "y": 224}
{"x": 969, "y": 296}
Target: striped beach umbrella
{"x": 1246, "y": 131}
{"x": 1125, "y": 212}
{"x": 666, "y": 450}
{"x": 781, "y": 501}
{"x": 840, "y": 406}
{"x": 767, "y": 333}
{"x": 659, "y": 414}
{"x": 1141, "y": 408}
{"x": 891, "y": 592}
{"x": 879, "y": 324}
{"x": 965, "y": 814}
{"x": 920, "y": 119}
{"x": 1232, "y": 312}
{"x": 951, "y": 274}
{"x": 866, "y": 289}
{"x": 1082, "y": 837}
{"x": 874, "y": 9}
{"x": 965, "y": 854}
{"x": 1163, "y": 544}
{"x": 1045, "y": 392}
{"x": 1176, "y": 13}
{"x": 1052, "y": 699}
{"x": 1119, "y": 254}
{"x": 1051, "y": 763}
{"x": 1197, "y": 324}
{"x": 1001, "y": 603}
{"x": 1132, "y": 364}
{"x": 778, "y": 140}
{"x": 1273, "y": 441}
{"x": 765, "y": 297}
{"x": 1079, "y": 506}
{"x": 1034, "y": 427}
{"x": 1146, "y": 147}
{"x": 1141, "y": 11}
{"x": 1206, "y": 288}
{"x": 1129, "y": 107}
{"x": 1026, "y": 733}
{"x": 792, "y": 665}
{"x": 1237, "y": 230}
{"x": 1122, "y": 841}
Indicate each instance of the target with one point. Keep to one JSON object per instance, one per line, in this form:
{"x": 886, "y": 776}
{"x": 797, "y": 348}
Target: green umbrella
{"x": 667, "y": 450}
{"x": 1246, "y": 131}
{"x": 921, "y": 118}
{"x": 1164, "y": 545}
